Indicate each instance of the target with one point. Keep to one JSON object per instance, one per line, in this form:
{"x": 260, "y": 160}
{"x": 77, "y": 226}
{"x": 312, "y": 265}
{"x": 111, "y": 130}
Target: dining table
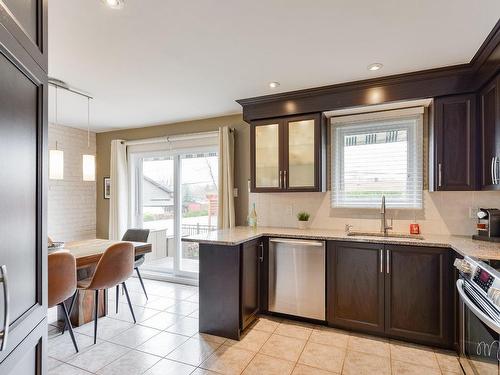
{"x": 87, "y": 254}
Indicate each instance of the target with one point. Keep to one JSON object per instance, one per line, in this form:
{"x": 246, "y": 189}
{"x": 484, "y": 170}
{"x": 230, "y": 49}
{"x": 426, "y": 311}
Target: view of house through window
{"x": 176, "y": 196}
{"x": 377, "y": 157}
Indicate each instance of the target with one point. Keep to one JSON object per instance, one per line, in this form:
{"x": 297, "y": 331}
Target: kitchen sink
{"x": 388, "y": 235}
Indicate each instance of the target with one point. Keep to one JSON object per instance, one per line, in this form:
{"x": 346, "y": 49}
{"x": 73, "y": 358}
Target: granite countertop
{"x": 463, "y": 245}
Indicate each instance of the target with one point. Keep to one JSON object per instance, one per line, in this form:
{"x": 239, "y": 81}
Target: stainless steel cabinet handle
{"x": 4, "y": 335}
{"x": 281, "y": 179}
{"x": 493, "y": 171}
{"x": 261, "y": 257}
{"x": 388, "y": 255}
{"x": 285, "y": 182}
{"x": 297, "y": 242}
{"x": 381, "y": 261}
{"x": 440, "y": 175}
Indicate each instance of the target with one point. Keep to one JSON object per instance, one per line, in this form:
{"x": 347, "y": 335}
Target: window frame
{"x": 386, "y": 121}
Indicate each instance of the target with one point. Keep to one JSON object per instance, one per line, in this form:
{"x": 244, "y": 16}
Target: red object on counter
{"x": 414, "y": 229}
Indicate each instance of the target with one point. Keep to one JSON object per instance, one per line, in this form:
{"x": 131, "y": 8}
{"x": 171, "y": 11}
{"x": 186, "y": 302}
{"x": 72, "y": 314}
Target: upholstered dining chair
{"x": 114, "y": 268}
{"x": 136, "y": 235}
{"x": 62, "y": 284}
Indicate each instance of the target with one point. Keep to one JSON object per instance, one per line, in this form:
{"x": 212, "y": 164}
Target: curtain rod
{"x": 169, "y": 138}
{"x": 63, "y": 85}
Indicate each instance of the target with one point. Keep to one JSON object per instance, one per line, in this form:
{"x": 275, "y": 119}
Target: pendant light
{"x": 56, "y": 157}
{"x": 88, "y": 160}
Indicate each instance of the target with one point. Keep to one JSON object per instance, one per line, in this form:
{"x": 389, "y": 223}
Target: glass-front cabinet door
{"x": 266, "y": 159}
{"x": 301, "y": 157}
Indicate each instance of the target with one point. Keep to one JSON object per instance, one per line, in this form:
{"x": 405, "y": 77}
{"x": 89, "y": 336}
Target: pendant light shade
{"x": 88, "y": 161}
{"x": 88, "y": 168}
{"x": 56, "y": 164}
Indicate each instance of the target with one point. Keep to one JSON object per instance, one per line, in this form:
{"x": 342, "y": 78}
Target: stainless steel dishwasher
{"x": 297, "y": 277}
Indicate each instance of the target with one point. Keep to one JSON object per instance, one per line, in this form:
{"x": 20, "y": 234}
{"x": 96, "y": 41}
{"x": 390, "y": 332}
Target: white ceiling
{"x": 162, "y": 61}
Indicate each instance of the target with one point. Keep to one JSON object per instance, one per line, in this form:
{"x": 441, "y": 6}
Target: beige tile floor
{"x": 165, "y": 341}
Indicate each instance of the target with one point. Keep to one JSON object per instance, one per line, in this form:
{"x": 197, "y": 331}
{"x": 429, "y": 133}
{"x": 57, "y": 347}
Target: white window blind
{"x": 377, "y": 154}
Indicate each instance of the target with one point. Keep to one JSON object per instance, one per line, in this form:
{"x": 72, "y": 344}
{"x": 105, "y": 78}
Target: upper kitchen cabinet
{"x": 489, "y": 107}
{"x": 286, "y": 154}
{"x": 454, "y": 143}
{"x": 26, "y": 22}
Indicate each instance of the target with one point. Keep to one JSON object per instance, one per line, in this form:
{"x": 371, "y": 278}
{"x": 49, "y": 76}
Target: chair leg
{"x": 72, "y": 304}
{"x": 128, "y": 300}
{"x": 117, "y": 296}
{"x": 96, "y": 311}
{"x": 70, "y": 327}
{"x": 142, "y": 282}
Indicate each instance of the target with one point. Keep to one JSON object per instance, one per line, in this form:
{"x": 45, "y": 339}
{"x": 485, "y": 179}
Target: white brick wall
{"x": 71, "y": 201}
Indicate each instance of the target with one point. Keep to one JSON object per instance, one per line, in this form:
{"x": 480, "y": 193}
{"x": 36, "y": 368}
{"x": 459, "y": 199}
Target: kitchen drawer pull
{"x": 388, "y": 261}
{"x": 297, "y": 242}
{"x": 261, "y": 257}
{"x": 381, "y": 261}
{"x": 4, "y": 280}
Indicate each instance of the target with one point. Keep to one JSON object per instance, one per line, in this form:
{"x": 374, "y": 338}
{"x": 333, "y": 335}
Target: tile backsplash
{"x": 443, "y": 212}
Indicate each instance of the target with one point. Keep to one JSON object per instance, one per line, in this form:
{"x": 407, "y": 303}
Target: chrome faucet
{"x": 383, "y": 222}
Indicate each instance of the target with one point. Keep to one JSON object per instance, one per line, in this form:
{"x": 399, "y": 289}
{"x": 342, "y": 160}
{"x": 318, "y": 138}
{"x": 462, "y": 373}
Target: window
{"x": 377, "y": 154}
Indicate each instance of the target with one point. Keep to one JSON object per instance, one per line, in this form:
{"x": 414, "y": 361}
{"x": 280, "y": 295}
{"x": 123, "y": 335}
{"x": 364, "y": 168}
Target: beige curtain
{"x": 118, "y": 203}
{"x": 226, "y": 178}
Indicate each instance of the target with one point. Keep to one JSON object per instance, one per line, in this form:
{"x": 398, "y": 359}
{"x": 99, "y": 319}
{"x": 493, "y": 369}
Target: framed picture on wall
{"x": 107, "y": 187}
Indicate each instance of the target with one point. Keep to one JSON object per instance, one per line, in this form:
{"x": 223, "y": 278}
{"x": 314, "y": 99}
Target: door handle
{"x": 387, "y": 260}
{"x": 5, "y": 333}
{"x": 495, "y": 169}
{"x": 281, "y": 179}
{"x": 261, "y": 257}
{"x": 440, "y": 175}
{"x": 285, "y": 182}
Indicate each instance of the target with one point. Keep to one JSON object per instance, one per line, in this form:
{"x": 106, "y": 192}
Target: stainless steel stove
{"x": 479, "y": 291}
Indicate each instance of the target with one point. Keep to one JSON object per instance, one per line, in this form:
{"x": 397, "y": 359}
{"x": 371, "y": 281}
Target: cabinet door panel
{"x": 355, "y": 286}
{"x": 490, "y": 129}
{"x": 250, "y": 285}
{"x": 418, "y": 294}
{"x": 267, "y": 156}
{"x": 26, "y": 21}
{"x": 23, "y": 139}
{"x": 455, "y": 132}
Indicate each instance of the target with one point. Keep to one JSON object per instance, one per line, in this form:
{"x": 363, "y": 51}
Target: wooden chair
{"x": 114, "y": 268}
{"x": 62, "y": 284}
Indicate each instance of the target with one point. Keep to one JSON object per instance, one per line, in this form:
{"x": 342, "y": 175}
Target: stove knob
{"x": 462, "y": 265}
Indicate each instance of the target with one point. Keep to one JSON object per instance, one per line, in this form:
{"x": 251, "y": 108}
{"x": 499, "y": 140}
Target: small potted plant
{"x": 303, "y": 220}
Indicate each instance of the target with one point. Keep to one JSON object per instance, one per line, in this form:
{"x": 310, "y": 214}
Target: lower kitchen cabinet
{"x": 403, "y": 292}
{"x": 229, "y": 287}
{"x": 419, "y": 294}
{"x": 251, "y": 254}
{"x": 355, "y": 285}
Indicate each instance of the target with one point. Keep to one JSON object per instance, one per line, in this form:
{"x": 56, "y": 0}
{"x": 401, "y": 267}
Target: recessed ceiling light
{"x": 273, "y": 85}
{"x": 114, "y": 4}
{"x": 375, "y": 66}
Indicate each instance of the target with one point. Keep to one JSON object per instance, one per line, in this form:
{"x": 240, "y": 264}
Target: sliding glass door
{"x": 174, "y": 194}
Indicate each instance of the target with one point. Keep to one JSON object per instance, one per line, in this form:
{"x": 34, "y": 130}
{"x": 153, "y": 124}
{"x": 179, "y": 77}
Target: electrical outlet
{"x": 473, "y": 212}
{"x": 235, "y": 192}
{"x": 289, "y": 210}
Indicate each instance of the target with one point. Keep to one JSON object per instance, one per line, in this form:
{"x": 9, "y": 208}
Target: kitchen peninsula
{"x": 371, "y": 283}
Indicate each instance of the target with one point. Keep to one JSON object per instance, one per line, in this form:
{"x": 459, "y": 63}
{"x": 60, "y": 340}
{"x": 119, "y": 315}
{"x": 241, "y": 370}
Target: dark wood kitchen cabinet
{"x": 403, "y": 292}
{"x": 229, "y": 287}
{"x": 419, "y": 294}
{"x": 287, "y": 154}
{"x": 355, "y": 285}
{"x": 455, "y": 143}
{"x": 252, "y": 253}
{"x": 489, "y": 110}
{"x": 23, "y": 190}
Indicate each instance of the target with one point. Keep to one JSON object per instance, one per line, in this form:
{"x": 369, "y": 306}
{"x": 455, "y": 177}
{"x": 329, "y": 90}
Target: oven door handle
{"x": 472, "y": 306}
